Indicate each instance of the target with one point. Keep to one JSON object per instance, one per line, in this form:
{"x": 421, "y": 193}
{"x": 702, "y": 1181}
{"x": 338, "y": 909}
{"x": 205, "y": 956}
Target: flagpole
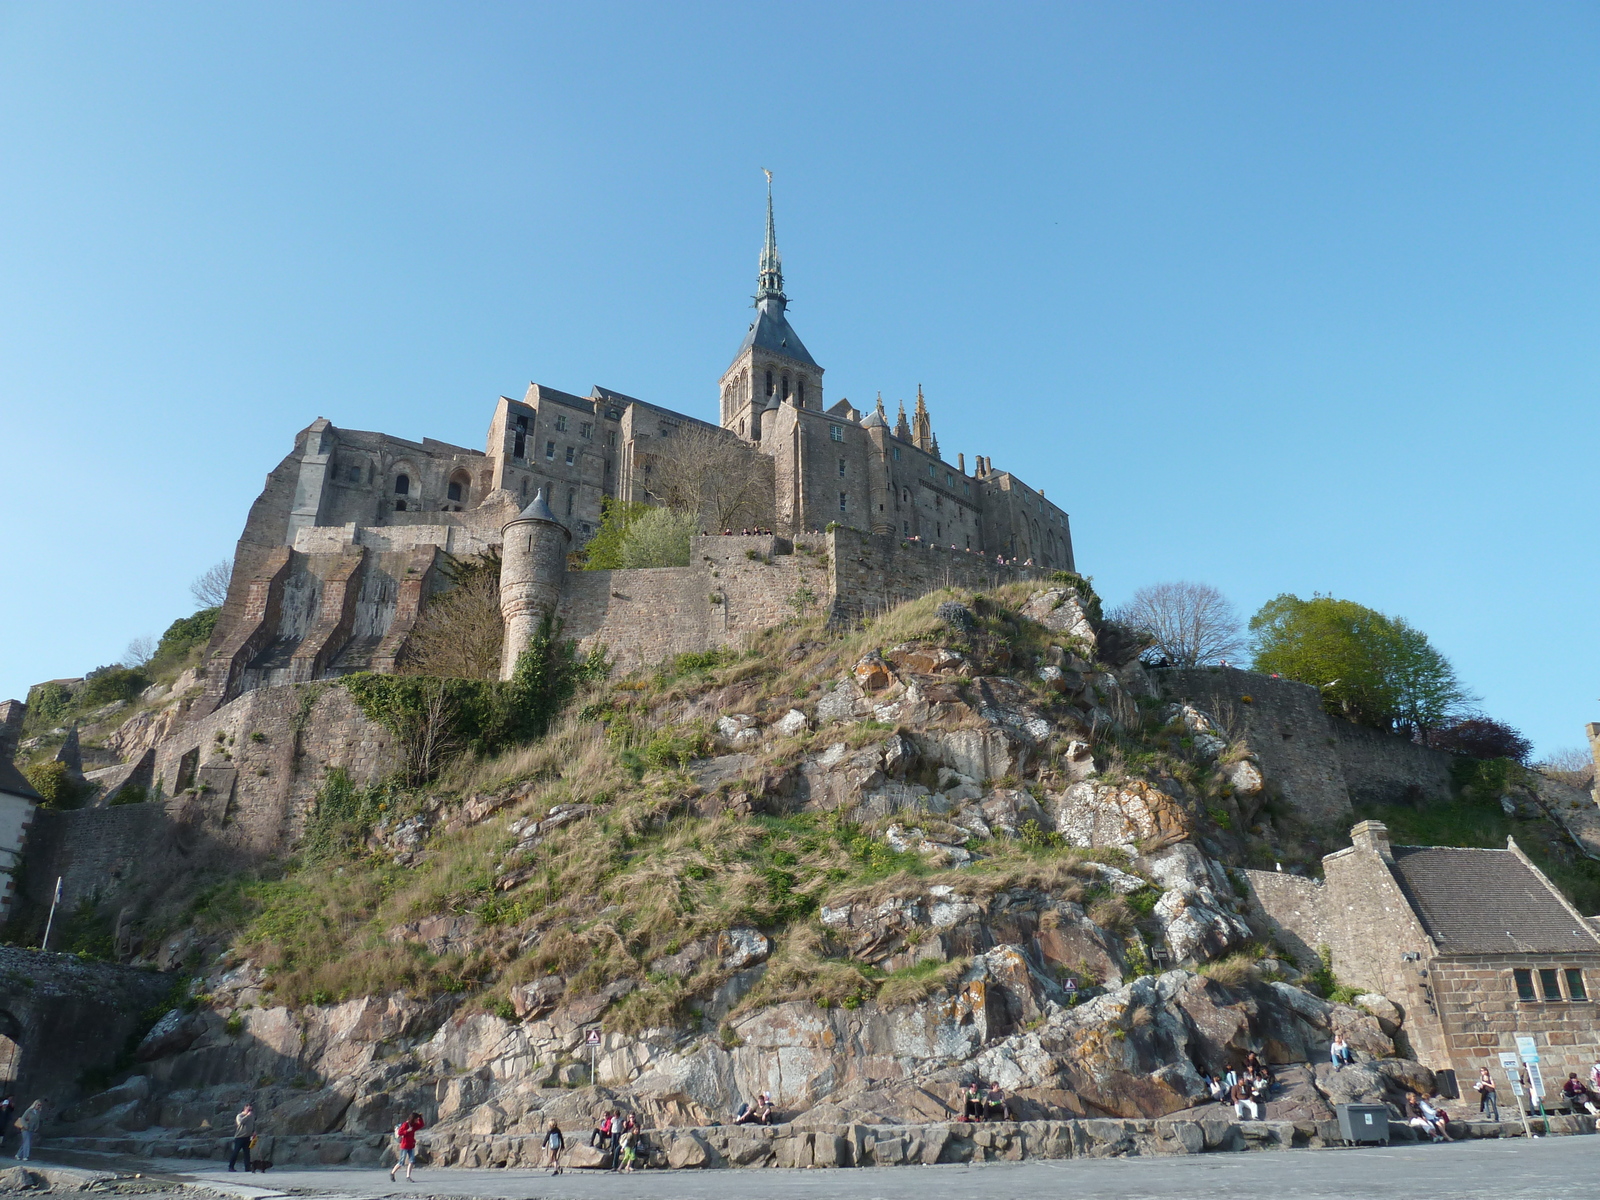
{"x": 51, "y": 920}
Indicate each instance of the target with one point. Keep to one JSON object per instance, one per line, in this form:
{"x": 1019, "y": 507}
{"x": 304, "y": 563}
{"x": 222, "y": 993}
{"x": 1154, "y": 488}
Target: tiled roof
{"x": 14, "y": 782}
{"x": 1487, "y": 902}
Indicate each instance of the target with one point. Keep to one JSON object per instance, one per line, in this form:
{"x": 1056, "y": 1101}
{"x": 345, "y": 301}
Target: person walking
{"x": 244, "y": 1128}
{"x": 553, "y": 1142}
{"x": 405, "y": 1136}
{"x": 29, "y": 1123}
{"x": 1487, "y": 1100}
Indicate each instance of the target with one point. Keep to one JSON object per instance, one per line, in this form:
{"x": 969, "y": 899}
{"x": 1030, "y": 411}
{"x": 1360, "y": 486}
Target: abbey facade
{"x": 343, "y": 548}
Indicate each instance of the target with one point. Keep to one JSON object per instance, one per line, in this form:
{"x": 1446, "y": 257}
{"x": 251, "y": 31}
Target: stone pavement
{"x": 1555, "y": 1168}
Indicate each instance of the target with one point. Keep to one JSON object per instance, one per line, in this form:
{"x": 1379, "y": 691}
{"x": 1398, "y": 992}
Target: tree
{"x": 139, "y": 652}
{"x": 1190, "y": 624}
{"x": 711, "y": 475}
{"x": 659, "y": 538}
{"x": 1372, "y": 669}
{"x": 604, "y": 551}
{"x": 1572, "y": 765}
{"x": 210, "y": 587}
{"x": 461, "y": 631}
{"x": 1481, "y": 737}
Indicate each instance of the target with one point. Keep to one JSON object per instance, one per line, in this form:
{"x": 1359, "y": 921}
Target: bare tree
{"x": 1191, "y": 624}
{"x": 712, "y": 475}
{"x": 139, "y": 652}
{"x": 1570, "y": 765}
{"x": 210, "y": 587}
{"x": 459, "y": 634}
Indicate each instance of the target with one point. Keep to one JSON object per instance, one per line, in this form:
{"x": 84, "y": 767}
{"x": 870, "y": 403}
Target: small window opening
{"x": 841, "y": 468}
{"x": 785, "y": 387}
{"x": 897, "y": 454}
{"x": 561, "y": 424}
{"x": 549, "y": 449}
{"x": 454, "y": 490}
{"x": 572, "y": 452}
{"x": 802, "y": 393}
{"x": 572, "y": 497}
{"x": 402, "y": 485}
{"x": 399, "y": 506}
{"x": 769, "y": 383}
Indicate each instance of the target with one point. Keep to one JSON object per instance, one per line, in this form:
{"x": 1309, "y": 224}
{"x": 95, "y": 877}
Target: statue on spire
{"x": 769, "y": 280}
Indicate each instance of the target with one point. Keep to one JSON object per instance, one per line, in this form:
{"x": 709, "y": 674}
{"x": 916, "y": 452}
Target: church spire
{"x": 769, "y": 281}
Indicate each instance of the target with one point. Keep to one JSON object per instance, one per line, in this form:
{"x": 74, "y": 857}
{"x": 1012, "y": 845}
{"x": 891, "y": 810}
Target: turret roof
{"x": 538, "y": 509}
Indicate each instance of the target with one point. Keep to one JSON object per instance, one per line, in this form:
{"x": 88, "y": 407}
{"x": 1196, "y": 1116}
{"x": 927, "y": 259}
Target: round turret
{"x": 533, "y": 569}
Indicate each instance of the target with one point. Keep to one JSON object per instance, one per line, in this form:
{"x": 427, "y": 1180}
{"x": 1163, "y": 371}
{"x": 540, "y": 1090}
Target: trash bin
{"x": 1444, "y": 1083}
{"x": 1364, "y": 1123}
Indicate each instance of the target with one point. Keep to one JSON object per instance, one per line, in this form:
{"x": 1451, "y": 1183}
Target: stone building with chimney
{"x": 1473, "y": 945}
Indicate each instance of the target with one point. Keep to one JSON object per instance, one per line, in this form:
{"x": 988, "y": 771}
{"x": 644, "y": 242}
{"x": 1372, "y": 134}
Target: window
{"x": 524, "y": 489}
{"x": 1575, "y": 984}
{"x": 399, "y": 506}
{"x": 769, "y": 383}
{"x": 611, "y": 438}
{"x": 802, "y": 393}
{"x": 841, "y": 468}
{"x": 454, "y": 490}
{"x": 586, "y": 430}
{"x": 1524, "y": 980}
{"x": 785, "y": 387}
{"x": 519, "y": 441}
{"x": 572, "y": 495}
{"x": 933, "y": 471}
{"x": 402, "y": 485}
{"x": 841, "y": 502}
{"x": 1550, "y": 983}
{"x": 613, "y": 414}
{"x": 897, "y": 454}
{"x": 561, "y": 424}
{"x": 572, "y": 454}
{"x": 949, "y": 480}
{"x": 966, "y": 489}
{"x": 549, "y": 449}
{"x": 938, "y": 529}
{"x": 836, "y": 433}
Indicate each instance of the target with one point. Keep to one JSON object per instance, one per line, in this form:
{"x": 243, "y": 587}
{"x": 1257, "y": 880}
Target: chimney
{"x": 961, "y": 463}
{"x": 1373, "y": 837}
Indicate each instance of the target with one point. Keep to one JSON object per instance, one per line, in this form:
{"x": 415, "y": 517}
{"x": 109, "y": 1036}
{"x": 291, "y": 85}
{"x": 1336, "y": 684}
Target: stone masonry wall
{"x": 1386, "y": 768}
{"x": 1285, "y": 725}
{"x": 1290, "y": 909}
{"x": 873, "y": 572}
{"x": 1478, "y": 1006}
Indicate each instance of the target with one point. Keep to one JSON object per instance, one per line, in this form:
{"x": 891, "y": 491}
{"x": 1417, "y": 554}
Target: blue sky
{"x": 1279, "y": 297}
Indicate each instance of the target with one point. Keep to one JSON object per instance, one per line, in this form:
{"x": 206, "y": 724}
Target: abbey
{"x": 343, "y": 548}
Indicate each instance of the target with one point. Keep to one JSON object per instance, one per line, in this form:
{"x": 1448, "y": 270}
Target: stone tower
{"x": 772, "y": 366}
{"x": 533, "y": 568}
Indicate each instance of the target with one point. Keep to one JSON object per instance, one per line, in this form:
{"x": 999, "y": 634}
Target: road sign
{"x": 592, "y": 1038}
{"x": 1536, "y": 1081}
{"x": 1508, "y": 1064}
{"x": 1527, "y": 1048}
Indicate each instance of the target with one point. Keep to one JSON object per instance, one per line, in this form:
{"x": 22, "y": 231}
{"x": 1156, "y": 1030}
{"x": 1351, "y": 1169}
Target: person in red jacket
{"x": 405, "y": 1134}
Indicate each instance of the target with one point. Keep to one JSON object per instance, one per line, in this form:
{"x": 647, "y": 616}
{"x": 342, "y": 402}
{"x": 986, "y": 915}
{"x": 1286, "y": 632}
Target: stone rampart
{"x": 874, "y": 572}
{"x": 1387, "y": 768}
{"x": 1290, "y": 909}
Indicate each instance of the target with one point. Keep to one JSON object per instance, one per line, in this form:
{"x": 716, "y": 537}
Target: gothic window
{"x": 905, "y": 495}
{"x": 802, "y": 393}
{"x": 549, "y": 449}
{"x": 454, "y": 490}
{"x": 402, "y": 485}
{"x": 572, "y": 453}
{"x": 785, "y": 387}
{"x": 741, "y": 426}
{"x": 460, "y": 485}
{"x": 561, "y": 424}
{"x": 769, "y": 383}
{"x": 836, "y": 433}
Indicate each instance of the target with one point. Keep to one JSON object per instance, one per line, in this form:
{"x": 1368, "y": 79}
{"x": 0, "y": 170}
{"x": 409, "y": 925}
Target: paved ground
{"x": 1514, "y": 1169}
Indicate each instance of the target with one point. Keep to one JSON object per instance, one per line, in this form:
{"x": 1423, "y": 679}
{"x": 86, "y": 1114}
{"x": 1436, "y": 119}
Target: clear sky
{"x": 1282, "y": 297}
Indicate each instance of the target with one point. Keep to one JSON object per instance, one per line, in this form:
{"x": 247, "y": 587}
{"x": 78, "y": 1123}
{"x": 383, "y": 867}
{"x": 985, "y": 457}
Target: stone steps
{"x": 793, "y": 1146}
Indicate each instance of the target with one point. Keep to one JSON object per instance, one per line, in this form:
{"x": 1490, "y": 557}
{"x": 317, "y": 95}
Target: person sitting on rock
{"x": 972, "y": 1102}
{"x": 1214, "y": 1086}
{"x": 994, "y": 1104}
{"x": 1243, "y": 1095}
{"x": 764, "y": 1109}
{"x": 1340, "y": 1052}
{"x": 1578, "y": 1096}
{"x": 1423, "y": 1115}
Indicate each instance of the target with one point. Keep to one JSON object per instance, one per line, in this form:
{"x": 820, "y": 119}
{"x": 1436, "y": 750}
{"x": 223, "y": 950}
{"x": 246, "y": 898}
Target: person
{"x": 1487, "y": 1100}
{"x": 405, "y": 1136}
{"x": 764, "y": 1109}
{"x": 1243, "y": 1096}
{"x": 1340, "y": 1052}
{"x": 971, "y": 1102}
{"x": 7, "y": 1107}
{"x": 1577, "y": 1095}
{"x": 1214, "y": 1087}
{"x": 1253, "y": 1067}
{"x": 1423, "y": 1115}
{"x": 244, "y": 1128}
{"x": 553, "y": 1143}
{"x": 1594, "y": 1078}
{"x": 628, "y": 1151}
{"x": 29, "y": 1123}
{"x": 994, "y": 1104}
{"x": 602, "y": 1132}
{"x": 745, "y": 1115}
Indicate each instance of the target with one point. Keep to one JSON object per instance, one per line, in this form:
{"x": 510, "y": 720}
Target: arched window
{"x": 785, "y": 387}
{"x": 402, "y": 486}
{"x": 459, "y": 488}
{"x": 802, "y": 392}
{"x": 769, "y": 383}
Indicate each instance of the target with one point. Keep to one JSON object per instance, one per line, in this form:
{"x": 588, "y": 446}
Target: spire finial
{"x": 769, "y": 280}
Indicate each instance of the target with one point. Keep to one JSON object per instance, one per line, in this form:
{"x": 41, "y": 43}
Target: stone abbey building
{"x": 341, "y": 551}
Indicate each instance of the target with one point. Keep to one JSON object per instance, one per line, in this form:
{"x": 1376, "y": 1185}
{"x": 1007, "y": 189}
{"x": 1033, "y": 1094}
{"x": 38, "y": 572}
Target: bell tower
{"x": 772, "y": 366}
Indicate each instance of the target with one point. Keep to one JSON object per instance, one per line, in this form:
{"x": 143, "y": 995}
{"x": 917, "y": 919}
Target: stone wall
{"x": 67, "y": 1017}
{"x": 1386, "y": 768}
{"x": 240, "y": 797}
{"x": 1289, "y": 909}
{"x": 1480, "y": 1012}
{"x": 875, "y": 572}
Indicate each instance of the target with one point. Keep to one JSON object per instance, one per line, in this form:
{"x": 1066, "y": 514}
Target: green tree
{"x": 1372, "y": 669}
{"x": 659, "y": 538}
{"x": 604, "y": 551}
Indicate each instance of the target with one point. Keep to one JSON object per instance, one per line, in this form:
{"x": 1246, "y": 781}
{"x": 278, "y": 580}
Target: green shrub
{"x": 109, "y": 684}
{"x": 48, "y": 705}
{"x": 604, "y": 551}
{"x": 54, "y": 783}
{"x": 658, "y": 538}
{"x": 183, "y": 637}
{"x": 134, "y": 793}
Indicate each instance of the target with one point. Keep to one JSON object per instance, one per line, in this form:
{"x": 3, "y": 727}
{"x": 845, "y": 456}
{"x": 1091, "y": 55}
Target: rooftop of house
{"x": 1475, "y": 901}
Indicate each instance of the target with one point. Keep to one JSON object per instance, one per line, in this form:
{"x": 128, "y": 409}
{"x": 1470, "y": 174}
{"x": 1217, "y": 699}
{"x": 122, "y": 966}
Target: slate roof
{"x": 16, "y": 783}
{"x": 1487, "y": 902}
{"x": 771, "y": 331}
